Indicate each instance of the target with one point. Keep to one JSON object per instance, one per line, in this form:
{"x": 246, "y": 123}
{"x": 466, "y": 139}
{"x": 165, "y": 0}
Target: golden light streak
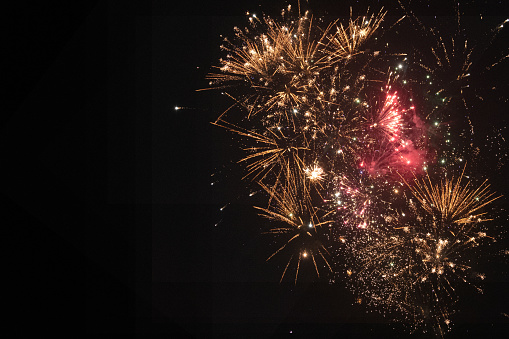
{"x": 450, "y": 201}
{"x": 300, "y": 220}
{"x": 347, "y": 40}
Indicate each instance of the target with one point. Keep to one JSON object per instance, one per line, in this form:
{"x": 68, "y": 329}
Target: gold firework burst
{"x": 300, "y": 221}
{"x": 450, "y": 201}
{"x": 279, "y": 66}
{"x": 275, "y": 152}
{"x": 346, "y": 41}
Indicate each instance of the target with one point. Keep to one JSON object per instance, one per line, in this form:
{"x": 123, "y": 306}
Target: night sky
{"x": 112, "y": 224}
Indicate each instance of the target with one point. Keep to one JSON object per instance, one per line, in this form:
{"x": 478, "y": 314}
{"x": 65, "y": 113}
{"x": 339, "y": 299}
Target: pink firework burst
{"x": 353, "y": 201}
{"x": 387, "y": 157}
{"x": 389, "y": 118}
{"x": 394, "y": 140}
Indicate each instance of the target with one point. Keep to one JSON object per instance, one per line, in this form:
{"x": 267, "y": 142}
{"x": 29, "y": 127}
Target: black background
{"x": 109, "y": 212}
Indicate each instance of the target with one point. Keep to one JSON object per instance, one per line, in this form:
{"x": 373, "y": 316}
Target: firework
{"x": 451, "y": 202}
{"x": 279, "y": 67}
{"x": 412, "y": 267}
{"x": 274, "y": 153}
{"x": 354, "y": 202}
{"x": 334, "y": 125}
{"x": 345, "y": 41}
{"x": 300, "y": 224}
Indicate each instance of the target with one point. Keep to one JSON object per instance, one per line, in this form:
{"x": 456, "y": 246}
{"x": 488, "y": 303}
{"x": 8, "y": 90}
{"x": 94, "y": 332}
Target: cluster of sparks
{"x": 333, "y": 138}
{"x": 412, "y": 264}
